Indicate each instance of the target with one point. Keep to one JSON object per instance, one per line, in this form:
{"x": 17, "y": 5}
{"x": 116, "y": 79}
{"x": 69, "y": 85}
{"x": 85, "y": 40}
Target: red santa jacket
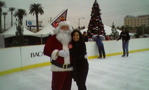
{"x": 52, "y": 46}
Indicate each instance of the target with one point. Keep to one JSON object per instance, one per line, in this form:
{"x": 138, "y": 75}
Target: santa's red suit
{"x": 61, "y": 69}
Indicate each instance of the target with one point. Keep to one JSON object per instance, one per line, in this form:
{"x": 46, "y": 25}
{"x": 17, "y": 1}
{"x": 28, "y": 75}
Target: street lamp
{"x": 143, "y": 28}
{"x": 79, "y": 22}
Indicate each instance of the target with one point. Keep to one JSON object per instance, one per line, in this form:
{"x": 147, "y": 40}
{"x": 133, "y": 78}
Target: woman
{"x": 79, "y": 61}
{"x": 125, "y": 41}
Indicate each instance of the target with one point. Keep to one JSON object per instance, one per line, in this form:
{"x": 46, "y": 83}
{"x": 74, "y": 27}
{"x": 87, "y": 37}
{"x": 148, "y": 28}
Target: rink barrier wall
{"x": 120, "y": 53}
{"x": 28, "y": 57}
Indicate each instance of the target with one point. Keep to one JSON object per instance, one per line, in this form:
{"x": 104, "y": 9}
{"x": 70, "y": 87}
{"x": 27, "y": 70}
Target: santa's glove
{"x": 62, "y": 53}
{"x": 85, "y": 56}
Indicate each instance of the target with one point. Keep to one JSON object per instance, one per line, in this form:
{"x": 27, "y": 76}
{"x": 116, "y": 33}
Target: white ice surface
{"x": 112, "y": 73}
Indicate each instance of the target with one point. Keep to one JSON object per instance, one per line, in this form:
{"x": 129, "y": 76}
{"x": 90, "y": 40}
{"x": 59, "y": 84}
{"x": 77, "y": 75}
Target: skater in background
{"x": 79, "y": 59}
{"x": 57, "y": 49}
{"x": 85, "y": 36}
{"x": 100, "y": 45}
{"x": 125, "y": 41}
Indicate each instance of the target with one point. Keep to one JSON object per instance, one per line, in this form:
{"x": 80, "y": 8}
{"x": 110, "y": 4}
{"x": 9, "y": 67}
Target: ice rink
{"x": 112, "y": 73}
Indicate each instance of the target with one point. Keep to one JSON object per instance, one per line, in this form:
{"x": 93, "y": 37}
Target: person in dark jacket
{"x": 125, "y": 41}
{"x": 79, "y": 59}
{"x": 85, "y": 36}
{"x": 101, "y": 50}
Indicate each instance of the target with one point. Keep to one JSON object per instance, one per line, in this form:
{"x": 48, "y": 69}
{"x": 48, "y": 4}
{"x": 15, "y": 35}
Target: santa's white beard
{"x": 64, "y": 36}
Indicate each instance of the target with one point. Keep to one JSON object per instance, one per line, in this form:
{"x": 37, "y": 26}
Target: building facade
{"x": 140, "y": 20}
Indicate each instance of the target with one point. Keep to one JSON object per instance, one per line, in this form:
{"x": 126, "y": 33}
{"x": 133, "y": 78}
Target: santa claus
{"x": 57, "y": 47}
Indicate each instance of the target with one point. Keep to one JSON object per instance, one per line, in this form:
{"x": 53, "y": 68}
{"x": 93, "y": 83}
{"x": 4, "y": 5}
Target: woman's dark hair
{"x": 80, "y": 36}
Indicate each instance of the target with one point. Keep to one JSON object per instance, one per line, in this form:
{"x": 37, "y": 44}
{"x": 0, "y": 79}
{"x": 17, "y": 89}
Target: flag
{"x": 61, "y": 17}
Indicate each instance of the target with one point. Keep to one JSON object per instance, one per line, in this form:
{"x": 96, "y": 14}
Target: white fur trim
{"x": 62, "y": 23}
{"x": 66, "y": 61}
{"x": 53, "y": 55}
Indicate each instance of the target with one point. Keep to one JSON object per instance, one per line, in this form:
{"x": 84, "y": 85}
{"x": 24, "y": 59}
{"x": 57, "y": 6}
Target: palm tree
{"x": 11, "y": 9}
{"x": 4, "y": 13}
{"x": 20, "y": 13}
{"x": 2, "y": 4}
{"x": 19, "y": 33}
{"x": 36, "y": 9}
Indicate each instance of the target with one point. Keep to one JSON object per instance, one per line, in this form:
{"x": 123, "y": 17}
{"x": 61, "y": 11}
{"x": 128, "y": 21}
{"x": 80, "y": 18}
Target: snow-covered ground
{"x": 112, "y": 73}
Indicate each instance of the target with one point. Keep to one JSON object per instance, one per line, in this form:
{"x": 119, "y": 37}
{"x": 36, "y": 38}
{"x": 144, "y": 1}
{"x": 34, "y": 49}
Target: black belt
{"x": 64, "y": 66}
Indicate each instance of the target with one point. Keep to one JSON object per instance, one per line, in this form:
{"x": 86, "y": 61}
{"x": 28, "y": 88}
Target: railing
{"x": 22, "y": 58}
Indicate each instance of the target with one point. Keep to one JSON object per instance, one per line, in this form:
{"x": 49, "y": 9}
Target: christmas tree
{"x": 95, "y": 25}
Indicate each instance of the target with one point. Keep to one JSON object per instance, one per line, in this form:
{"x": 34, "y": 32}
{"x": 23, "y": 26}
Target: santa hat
{"x": 62, "y": 23}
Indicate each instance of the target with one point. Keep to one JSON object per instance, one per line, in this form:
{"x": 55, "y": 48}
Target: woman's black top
{"x": 77, "y": 53}
{"x": 125, "y": 36}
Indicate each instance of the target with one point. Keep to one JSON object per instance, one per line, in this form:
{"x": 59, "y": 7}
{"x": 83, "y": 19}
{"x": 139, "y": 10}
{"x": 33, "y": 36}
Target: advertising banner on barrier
{"x": 18, "y": 57}
{"x": 33, "y": 55}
